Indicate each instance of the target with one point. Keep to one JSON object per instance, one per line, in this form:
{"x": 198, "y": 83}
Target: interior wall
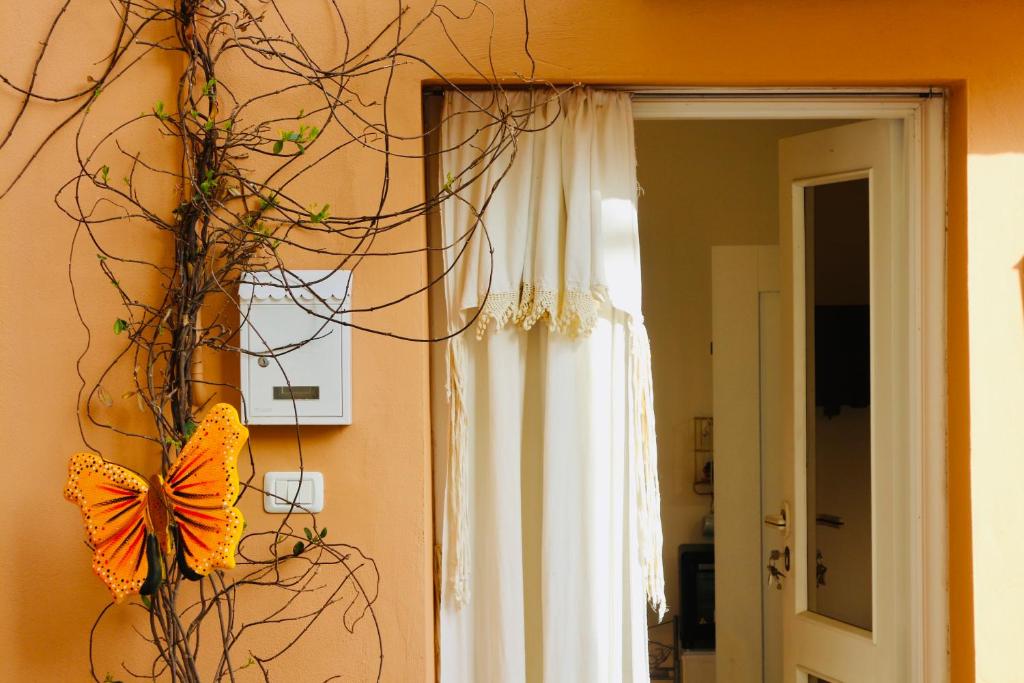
{"x": 704, "y": 184}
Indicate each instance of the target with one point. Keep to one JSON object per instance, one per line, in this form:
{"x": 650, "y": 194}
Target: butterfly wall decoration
{"x": 140, "y": 529}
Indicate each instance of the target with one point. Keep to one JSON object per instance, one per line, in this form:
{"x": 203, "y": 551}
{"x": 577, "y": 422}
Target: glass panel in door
{"x": 838, "y": 406}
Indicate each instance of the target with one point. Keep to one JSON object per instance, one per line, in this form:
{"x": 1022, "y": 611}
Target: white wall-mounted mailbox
{"x": 279, "y": 311}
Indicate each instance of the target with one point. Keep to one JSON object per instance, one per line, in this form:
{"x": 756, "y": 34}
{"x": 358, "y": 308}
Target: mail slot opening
{"x": 296, "y": 393}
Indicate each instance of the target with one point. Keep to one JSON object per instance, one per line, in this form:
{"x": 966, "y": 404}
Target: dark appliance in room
{"x": 697, "y": 596}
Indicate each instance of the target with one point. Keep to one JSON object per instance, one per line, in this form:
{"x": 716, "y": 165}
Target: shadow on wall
{"x": 1020, "y": 274}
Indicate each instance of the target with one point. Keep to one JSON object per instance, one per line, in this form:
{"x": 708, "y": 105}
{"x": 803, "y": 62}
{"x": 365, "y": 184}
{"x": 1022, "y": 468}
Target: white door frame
{"x": 923, "y": 114}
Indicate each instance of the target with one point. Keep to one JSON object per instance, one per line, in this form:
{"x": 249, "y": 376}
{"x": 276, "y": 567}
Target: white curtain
{"x": 551, "y": 541}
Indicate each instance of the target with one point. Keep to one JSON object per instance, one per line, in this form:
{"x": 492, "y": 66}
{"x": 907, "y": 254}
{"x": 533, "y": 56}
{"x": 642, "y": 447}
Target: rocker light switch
{"x": 304, "y": 489}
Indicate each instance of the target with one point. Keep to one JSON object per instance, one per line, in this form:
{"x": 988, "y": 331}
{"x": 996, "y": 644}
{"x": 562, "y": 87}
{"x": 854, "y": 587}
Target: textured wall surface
{"x": 378, "y": 470}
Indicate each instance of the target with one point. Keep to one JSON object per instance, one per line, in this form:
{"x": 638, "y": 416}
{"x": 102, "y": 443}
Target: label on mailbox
{"x": 297, "y": 393}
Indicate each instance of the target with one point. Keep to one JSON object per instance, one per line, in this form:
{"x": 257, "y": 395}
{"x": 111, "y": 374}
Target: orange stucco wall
{"x": 378, "y": 469}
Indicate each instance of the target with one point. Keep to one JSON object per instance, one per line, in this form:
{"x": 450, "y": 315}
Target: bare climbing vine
{"x": 257, "y": 125}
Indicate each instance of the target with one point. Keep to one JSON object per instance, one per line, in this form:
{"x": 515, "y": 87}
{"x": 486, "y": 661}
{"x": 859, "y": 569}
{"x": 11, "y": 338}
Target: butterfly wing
{"x": 201, "y": 488}
{"x": 113, "y": 501}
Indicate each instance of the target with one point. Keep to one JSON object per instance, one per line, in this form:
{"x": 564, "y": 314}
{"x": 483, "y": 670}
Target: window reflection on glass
{"x": 836, "y": 223}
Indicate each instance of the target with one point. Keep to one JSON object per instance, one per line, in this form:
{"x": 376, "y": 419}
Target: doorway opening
{"x": 709, "y": 217}
{"x": 792, "y": 497}
{"x": 793, "y": 260}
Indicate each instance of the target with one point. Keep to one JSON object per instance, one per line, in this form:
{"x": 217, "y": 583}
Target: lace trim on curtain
{"x": 574, "y": 316}
{"x": 499, "y": 309}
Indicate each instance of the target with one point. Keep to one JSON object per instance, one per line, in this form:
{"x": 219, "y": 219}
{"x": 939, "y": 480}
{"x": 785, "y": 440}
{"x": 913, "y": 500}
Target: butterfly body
{"x": 138, "y": 528}
{"x": 157, "y": 509}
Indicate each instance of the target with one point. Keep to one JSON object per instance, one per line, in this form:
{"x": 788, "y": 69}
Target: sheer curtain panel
{"x": 551, "y": 537}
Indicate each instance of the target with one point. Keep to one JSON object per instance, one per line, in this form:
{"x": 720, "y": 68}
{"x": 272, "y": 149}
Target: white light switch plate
{"x": 283, "y": 488}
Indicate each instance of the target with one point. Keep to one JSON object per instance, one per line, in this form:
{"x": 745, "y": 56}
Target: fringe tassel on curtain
{"x": 458, "y": 533}
{"x": 644, "y": 449}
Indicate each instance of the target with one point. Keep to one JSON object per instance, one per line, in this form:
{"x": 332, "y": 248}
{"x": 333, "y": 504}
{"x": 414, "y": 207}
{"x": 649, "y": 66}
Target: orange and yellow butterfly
{"x": 137, "y": 528}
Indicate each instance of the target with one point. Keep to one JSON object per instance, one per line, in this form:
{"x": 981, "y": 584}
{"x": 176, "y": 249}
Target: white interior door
{"x": 845, "y": 396}
{"x": 745, "y": 327}
{"x": 770, "y": 354}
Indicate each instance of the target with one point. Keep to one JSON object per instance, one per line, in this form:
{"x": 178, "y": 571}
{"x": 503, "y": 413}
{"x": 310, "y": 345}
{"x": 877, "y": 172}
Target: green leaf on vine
{"x": 321, "y": 215}
{"x": 158, "y": 109}
{"x": 120, "y": 325}
{"x": 302, "y": 137}
{"x": 190, "y": 429}
{"x": 298, "y": 548}
{"x": 309, "y": 534}
{"x": 104, "y": 173}
{"x": 208, "y": 86}
{"x": 449, "y": 180}
{"x": 146, "y": 601}
{"x": 109, "y": 678}
{"x": 206, "y": 187}
{"x": 323, "y": 533}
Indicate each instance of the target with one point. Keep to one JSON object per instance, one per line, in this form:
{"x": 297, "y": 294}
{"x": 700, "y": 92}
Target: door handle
{"x": 779, "y": 521}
